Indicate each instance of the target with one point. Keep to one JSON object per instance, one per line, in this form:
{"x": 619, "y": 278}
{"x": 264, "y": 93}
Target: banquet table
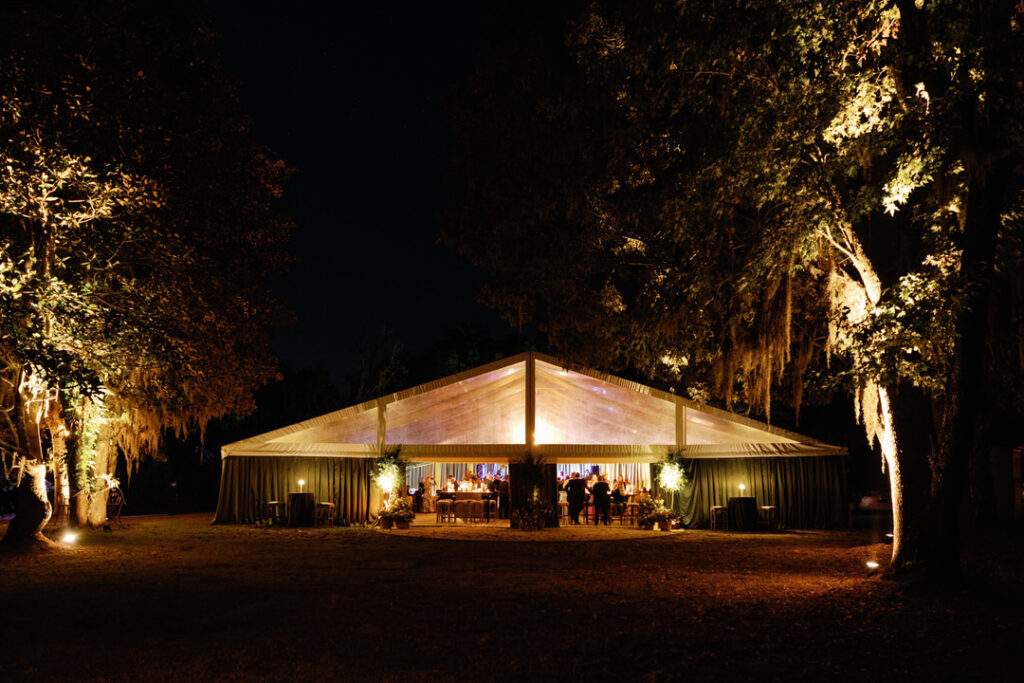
{"x": 483, "y": 496}
{"x": 743, "y": 513}
{"x": 301, "y": 509}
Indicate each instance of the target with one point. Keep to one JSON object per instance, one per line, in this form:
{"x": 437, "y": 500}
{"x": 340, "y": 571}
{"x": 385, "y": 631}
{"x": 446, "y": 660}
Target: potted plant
{"x": 530, "y": 517}
{"x": 665, "y": 518}
{"x": 402, "y": 513}
{"x": 647, "y": 507}
{"x": 385, "y": 519}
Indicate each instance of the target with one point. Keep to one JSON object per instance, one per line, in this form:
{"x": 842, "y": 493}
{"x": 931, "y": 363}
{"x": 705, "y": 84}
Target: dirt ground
{"x": 174, "y": 598}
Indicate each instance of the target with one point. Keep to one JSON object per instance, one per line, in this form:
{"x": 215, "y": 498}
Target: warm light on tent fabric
{"x": 486, "y": 408}
{"x": 578, "y": 416}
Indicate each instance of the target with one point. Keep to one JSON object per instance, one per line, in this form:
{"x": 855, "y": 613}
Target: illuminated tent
{"x": 532, "y": 403}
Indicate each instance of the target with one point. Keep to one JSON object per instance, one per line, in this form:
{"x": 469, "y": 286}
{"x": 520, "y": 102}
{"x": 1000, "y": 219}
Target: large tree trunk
{"x": 909, "y": 474}
{"x": 964, "y": 416}
{"x": 89, "y": 503}
{"x": 85, "y": 463}
{"x": 32, "y": 507}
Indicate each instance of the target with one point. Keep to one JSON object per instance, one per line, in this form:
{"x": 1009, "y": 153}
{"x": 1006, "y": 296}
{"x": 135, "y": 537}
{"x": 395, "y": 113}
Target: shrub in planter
{"x": 530, "y": 517}
{"x": 653, "y": 512}
{"x": 402, "y": 513}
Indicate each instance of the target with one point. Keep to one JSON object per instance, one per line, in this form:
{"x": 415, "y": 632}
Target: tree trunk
{"x": 88, "y": 502}
{"x": 32, "y": 507}
{"x": 909, "y": 475}
{"x": 89, "y": 505}
{"x": 964, "y": 418}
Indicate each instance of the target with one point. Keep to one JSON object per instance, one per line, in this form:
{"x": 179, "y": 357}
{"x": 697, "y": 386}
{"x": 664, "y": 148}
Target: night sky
{"x": 355, "y": 102}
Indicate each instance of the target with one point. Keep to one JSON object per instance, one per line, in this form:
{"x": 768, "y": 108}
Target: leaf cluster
{"x": 136, "y": 216}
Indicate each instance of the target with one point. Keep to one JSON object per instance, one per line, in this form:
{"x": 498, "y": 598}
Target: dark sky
{"x": 355, "y": 101}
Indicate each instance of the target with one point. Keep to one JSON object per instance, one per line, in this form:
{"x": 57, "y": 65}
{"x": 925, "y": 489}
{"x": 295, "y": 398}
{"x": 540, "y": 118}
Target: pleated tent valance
{"x": 496, "y": 413}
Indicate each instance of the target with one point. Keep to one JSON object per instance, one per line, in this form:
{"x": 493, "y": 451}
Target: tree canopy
{"x": 732, "y": 195}
{"x": 137, "y": 227}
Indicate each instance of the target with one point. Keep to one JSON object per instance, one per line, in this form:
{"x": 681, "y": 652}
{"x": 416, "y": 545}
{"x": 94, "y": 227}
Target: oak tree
{"x": 136, "y": 226}
{"x": 735, "y": 194}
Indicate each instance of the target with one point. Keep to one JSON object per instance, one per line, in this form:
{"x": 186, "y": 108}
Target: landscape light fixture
{"x": 69, "y": 537}
{"x": 872, "y": 567}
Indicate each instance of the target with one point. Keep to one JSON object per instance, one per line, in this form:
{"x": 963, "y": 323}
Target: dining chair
{"x": 719, "y": 517}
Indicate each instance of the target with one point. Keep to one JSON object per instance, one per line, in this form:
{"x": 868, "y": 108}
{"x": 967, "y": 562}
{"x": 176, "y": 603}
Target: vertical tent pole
{"x": 680, "y": 425}
{"x": 531, "y": 401}
{"x": 382, "y": 425}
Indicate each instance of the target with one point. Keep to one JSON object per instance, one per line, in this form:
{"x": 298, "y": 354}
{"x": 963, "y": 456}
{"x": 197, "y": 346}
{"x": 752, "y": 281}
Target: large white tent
{"x": 498, "y": 413}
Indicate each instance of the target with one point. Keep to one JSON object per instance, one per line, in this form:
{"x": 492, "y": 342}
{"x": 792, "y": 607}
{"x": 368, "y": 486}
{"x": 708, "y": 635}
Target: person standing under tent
{"x": 429, "y": 494}
{"x": 576, "y": 493}
{"x": 602, "y": 501}
{"x": 417, "y": 498}
{"x": 503, "y": 498}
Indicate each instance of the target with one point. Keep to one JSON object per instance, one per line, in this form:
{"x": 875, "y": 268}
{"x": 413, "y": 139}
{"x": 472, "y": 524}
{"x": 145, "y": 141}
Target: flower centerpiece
{"x": 653, "y": 511}
{"x": 402, "y": 513}
{"x": 384, "y": 518}
{"x": 665, "y": 518}
{"x": 646, "y": 509}
{"x": 530, "y": 517}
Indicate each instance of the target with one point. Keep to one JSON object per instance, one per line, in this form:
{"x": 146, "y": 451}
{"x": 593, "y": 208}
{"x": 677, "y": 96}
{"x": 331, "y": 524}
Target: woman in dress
{"x": 619, "y": 495}
{"x": 430, "y": 494}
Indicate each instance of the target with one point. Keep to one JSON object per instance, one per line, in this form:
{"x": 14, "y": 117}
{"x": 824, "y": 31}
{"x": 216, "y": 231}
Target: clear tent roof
{"x": 578, "y": 414}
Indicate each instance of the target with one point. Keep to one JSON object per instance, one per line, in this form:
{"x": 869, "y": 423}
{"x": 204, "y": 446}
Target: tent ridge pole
{"x": 531, "y": 401}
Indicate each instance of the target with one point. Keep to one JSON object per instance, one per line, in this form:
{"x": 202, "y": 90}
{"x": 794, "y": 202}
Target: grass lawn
{"x": 173, "y": 598}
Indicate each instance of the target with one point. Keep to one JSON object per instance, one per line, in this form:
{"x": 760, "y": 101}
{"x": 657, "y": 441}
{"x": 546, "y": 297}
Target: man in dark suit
{"x": 503, "y": 501}
{"x": 602, "y": 501}
{"x": 576, "y": 494}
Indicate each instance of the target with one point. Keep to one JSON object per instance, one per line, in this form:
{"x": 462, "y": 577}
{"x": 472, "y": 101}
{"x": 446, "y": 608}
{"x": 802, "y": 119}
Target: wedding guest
{"x": 503, "y": 495}
{"x": 417, "y": 498}
{"x": 430, "y": 494}
{"x": 619, "y": 494}
{"x": 576, "y": 493}
{"x": 602, "y": 501}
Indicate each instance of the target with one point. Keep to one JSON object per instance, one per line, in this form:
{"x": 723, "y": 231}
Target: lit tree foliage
{"x": 135, "y": 227}
{"x": 733, "y": 192}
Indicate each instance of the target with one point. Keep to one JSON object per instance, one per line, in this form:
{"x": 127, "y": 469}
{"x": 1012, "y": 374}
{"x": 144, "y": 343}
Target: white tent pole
{"x": 680, "y": 425}
{"x": 382, "y": 426}
{"x": 531, "y": 401}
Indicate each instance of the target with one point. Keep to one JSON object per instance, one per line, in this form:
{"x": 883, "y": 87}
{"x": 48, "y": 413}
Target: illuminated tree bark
{"x": 26, "y": 529}
{"x": 33, "y": 506}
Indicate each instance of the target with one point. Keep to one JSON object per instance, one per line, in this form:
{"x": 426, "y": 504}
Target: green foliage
{"x": 767, "y": 192}
{"x": 389, "y": 470}
{"x": 398, "y": 511}
{"x": 135, "y": 221}
{"x": 651, "y": 510}
{"x": 533, "y": 513}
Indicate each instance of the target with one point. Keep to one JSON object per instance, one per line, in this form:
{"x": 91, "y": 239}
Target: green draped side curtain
{"x": 809, "y": 492}
{"x": 248, "y": 483}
